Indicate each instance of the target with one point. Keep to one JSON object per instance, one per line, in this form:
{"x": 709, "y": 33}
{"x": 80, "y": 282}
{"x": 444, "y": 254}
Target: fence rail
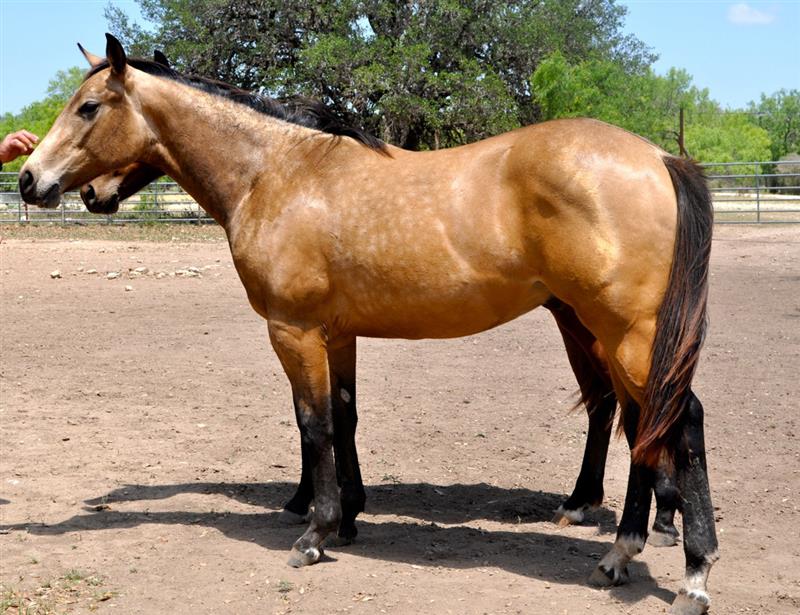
{"x": 760, "y": 192}
{"x": 743, "y": 193}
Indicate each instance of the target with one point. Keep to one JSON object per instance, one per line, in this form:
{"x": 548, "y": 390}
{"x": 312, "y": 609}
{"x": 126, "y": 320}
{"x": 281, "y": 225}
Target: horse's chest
{"x": 290, "y": 281}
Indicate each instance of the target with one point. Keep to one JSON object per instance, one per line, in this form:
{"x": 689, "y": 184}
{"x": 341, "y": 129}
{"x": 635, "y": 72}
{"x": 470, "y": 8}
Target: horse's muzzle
{"x": 95, "y": 205}
{"x": 33, "y": 195}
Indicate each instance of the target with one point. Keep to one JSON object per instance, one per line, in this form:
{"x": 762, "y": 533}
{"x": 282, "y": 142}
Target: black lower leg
{"x": 632, "y": 530}
{"x": 586, "y": 358}
{"x": 317, "y": 435}
{"x": 588, "y": 490}
{"x": 348, "y": 472}
{"x": 667, "y": 501}
{"x": 639, "y": 495}
{"x": 342, "y": 364}
{"x": 302, "y": 498}
{"x": 316, "y": 429}
{"x": 699, "y": 534}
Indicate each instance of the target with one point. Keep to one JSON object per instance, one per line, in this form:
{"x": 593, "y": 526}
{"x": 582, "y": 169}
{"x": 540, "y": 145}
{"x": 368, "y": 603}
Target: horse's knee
{"x": 316, "y": 433}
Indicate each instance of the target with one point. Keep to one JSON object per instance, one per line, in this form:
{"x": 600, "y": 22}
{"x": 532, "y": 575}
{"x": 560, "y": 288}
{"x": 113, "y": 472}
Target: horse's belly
{"x": 449, "y": 314}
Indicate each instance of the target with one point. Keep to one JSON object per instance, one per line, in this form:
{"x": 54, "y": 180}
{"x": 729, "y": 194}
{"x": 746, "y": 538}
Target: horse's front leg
{"x": 304, "y": 356}
{"x": 295, "y": 511}
{"x": 342, "y": 364}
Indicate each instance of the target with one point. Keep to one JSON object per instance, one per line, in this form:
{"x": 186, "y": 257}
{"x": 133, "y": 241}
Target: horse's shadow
{"x": 554, "y": 556}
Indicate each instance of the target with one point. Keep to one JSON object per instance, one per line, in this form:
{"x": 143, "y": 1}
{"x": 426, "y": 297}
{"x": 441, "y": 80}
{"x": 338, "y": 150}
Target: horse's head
{"x": 102, "y": 128}
{"x": 104, "y": 194}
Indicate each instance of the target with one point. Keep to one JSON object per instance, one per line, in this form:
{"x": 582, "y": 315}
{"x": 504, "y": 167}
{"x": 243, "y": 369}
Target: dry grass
{"x": 120, "y": 232}
{"x": 72, "y": 591}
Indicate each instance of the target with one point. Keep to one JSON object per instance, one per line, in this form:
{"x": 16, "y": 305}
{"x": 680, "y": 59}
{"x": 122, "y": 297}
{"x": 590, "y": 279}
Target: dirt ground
{"x": 148, "y": 444}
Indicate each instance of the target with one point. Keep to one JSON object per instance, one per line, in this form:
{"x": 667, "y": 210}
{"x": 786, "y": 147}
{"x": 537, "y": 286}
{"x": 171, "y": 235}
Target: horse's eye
{"x": 88, "y": 109}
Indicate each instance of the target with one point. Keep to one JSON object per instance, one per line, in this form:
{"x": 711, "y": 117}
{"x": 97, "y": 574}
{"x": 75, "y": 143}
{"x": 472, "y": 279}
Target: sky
{"x": 738, "y": 50}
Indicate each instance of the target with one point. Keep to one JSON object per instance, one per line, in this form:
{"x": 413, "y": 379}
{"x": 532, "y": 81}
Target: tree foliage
{"x": 39, "y": 116}
{"x": 731, "y": 136}
{"x": 419, "y": 74}
{"x": 649, "y": 105}
{"x": 779, "y": 115}
{"x": 636, "y": 99}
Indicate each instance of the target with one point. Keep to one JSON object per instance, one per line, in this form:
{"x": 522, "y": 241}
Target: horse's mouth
{"x": 109, "y": 206}
{"x": 52, "y": 198}
{"x": 97, "y": 206}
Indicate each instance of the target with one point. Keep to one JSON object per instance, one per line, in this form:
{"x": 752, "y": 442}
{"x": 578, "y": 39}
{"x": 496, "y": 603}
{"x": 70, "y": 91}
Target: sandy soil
{"x": 148, "y": 444}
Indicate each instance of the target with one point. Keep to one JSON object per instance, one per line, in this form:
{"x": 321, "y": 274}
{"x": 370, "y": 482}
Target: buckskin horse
{"x": 336, "y": 235}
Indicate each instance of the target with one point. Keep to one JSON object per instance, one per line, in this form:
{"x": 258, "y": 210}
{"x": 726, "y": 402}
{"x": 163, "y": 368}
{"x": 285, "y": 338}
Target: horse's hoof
{"x": 607, "y": 577}
{"x": 288, "y": 517}
{"x": 690, "y": 603}
{"x": 564, "y": 517}
{"x": 662, "y": 539}
{"x": 305, "y": 557}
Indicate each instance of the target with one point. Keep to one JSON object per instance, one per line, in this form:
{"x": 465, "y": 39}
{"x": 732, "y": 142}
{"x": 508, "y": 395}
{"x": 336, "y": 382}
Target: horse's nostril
{"x": 25, "y": 182}
{"x": 89, "y": 195}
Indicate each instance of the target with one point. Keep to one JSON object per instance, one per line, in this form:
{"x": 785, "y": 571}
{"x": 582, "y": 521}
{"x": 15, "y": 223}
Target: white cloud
{"x": 743, "y": 13}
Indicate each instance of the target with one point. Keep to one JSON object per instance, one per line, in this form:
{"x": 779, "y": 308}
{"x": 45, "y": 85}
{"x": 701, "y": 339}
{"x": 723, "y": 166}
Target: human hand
{"x": 19, "y": 143}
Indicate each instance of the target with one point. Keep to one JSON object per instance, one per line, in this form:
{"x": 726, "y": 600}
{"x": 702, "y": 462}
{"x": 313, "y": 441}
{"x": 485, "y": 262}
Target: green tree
{"x": 634, "y": 98}
{"x": 39, "y": 116}
{"x": 419, "y": 74}
{"x": 779, "y": 115}
{"x": 729, "y": 137}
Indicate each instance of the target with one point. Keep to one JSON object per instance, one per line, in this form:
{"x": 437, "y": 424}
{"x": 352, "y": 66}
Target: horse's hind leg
{"x": 664, "y": 533}
{"x": 632, "y": 530}
{"x": 590, "y": 366}
{"x": 699, "y": 535}
{"x": 342, "y": 365}
{"x": 597, "y": 393}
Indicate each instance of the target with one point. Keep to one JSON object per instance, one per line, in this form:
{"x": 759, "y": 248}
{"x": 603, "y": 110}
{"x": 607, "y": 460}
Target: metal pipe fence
{"x": 160, "y": 202}
{"x": 743, "y": 193}
{"x": 755, "y": 192}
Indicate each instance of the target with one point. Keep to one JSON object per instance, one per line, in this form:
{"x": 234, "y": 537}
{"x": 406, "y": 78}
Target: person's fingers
{"x": 26, "y": 141}
{"x": 32, "y": 137}
{"x": 19, "y": 147}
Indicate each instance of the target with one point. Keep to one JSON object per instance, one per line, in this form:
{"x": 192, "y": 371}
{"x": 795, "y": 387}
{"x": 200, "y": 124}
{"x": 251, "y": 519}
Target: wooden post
{"x": 681, "y": 130}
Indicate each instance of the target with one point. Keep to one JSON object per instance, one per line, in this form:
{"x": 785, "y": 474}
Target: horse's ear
{"x": 115, "y": 55}
{"x": 160, "y": 58}
{"x": 92, "y": 59}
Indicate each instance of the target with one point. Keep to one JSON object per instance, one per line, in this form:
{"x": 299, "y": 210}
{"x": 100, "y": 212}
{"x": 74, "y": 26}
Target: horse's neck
{"x": 216, "y": 149}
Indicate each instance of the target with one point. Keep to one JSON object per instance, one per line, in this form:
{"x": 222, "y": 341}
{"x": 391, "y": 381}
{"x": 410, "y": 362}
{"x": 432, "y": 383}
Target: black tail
{"x": 681, "y": 322}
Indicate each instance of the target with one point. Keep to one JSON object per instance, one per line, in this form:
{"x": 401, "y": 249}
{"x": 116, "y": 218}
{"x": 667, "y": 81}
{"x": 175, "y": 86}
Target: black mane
{"x": 297, "y": 110}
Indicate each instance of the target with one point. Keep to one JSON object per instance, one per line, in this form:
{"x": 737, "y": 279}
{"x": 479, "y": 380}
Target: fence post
{"x": 63, "y": 212}
{"x": 758, "y": 193}
{"x": 156, "y": 205}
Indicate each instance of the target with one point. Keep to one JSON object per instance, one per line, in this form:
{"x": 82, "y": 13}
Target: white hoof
{"x": 564, "y": 517}
{"x": 693, "y": 602}
{"x": 306, "y": 557}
